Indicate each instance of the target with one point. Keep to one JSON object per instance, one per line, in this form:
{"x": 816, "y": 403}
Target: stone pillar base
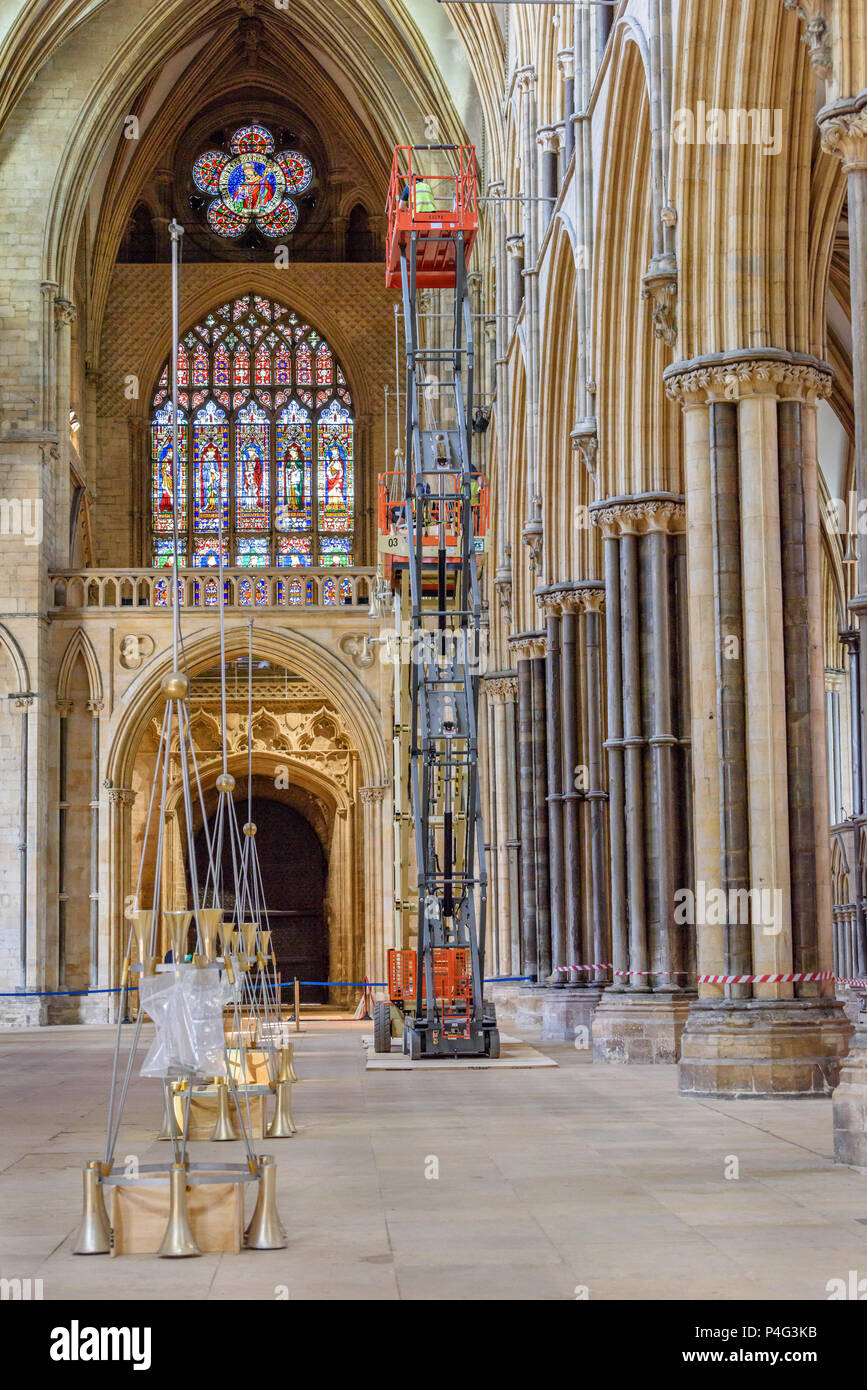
{"x": 27, "y": 1012}
{"x": 528, "y": 1010}
{"x": 763, "y": 1047}
{"x": 637, "y": 1028}
{"x": 566, "y": 1009}
{"x": 849, "y": 1107}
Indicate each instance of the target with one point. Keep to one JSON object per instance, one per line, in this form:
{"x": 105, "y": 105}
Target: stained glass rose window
{"x": 250, "y": 184}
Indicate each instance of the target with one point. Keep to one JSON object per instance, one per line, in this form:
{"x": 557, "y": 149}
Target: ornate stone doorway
{"x": 294, "y": 875}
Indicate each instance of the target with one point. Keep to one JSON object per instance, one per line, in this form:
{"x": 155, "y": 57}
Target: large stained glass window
{"x": 265, "y": 423}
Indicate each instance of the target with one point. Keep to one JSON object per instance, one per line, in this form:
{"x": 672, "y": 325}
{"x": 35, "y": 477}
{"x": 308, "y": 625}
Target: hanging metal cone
{"x": 171, "y": 1129}
{"x": 248, "y": 932}
{"x": 142, "y": 925}
{"x": 210, "y": 919}
{"x": 224, "y": 1128}
{"x": 287, "y": 1063}
{"x": 265, "y": 1231}
{"x": 94, "y": 1233}
{"x": 178, "y": 1241}
{"x": 282, "y": 1125}
{"x": 178, "y": 925}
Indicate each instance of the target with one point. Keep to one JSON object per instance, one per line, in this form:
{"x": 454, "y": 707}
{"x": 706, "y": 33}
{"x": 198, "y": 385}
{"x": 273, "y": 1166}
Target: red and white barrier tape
{"x": 803, "y": 977}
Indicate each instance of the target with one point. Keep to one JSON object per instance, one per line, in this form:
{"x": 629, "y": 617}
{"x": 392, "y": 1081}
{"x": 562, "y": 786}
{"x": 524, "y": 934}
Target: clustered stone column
{"x": 378, "y": 899}
{"x": 762, "y": 902}
{"x": 642, "y": 1014}
{"x": 843, "y": 127}
{"x": 501, "y": 688}
{"x": 528, "y": 649}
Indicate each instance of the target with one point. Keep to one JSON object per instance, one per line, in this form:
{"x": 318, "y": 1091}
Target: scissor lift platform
{"x": 437, "y": 232}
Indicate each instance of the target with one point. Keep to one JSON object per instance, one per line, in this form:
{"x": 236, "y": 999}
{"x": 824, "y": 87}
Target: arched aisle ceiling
{"x": 379, "y": 70}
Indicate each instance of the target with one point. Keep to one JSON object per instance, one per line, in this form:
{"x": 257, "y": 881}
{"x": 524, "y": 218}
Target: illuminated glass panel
{"x": 335, "y": 550}
{"x": 206, "y": 554}
{"x": 221, "y": 366}
{"x": 210, "y": 458}
{"x": 304, "y": 365}
{"x": 163, "y": 473}
{"x": 282, "y": 459}
{"x": 164, "y": 552}
{"x": 294, "y": 501}
{"x": 253, "y": 551}
{"x": 294, "y": 550}
{"x": 335, "y": 469}
{"x": 263, "y": 366}
{"x": 252, "y": 469}
{"x": 242, "y": 367}
{"x": 324, "y": 366}
{"x": 183, "y": 366}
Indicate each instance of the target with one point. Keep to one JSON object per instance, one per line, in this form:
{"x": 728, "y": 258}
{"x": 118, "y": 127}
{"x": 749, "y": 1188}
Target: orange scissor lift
{"x": 432, "y": 519}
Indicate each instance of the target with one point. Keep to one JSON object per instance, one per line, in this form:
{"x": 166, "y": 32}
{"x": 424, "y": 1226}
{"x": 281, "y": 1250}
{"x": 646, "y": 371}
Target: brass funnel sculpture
{"x": 248, "y": 932}
{"x": 94, "y": 1233}
{"x": 177, "y": 926}
{"x": 223, "y": 1129}
{"x": 265, "y": 1231}
{"x": 287, "y": 1063}
{"x": 210, "y": 919}
{"x": 265, "y": 943}
{"x": 282, "y": 1125}
{"x": 142, "y": 925}
{"x": 171, "y": 1129}
{"x": 178, "y": 1241}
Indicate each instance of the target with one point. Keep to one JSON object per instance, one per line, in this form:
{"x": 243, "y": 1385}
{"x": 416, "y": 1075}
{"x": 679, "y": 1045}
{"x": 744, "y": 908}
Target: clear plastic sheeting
{"x": 186, "y": 1006}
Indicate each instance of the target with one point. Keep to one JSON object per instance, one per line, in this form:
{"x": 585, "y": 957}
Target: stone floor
{"x": 551, "y": 1181}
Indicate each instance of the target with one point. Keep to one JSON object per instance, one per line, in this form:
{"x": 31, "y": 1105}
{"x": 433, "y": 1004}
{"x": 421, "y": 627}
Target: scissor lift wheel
{"x": 382, "y": 1026}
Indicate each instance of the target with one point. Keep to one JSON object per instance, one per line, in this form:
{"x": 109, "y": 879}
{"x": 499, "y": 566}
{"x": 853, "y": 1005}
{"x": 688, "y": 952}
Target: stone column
{"x": 116, "y": 924}
{"x": 528, "y": 648}
{"x": 642, "y": 1015}
{"x": 549, "y": 602}
{"x": 548, "y": 140}
{"x": 372, "y": 800}
{"x": 843, "y": 126}
{"x": 762, "y": 877}
{"x": 566, "y": 69}
{"x": 515, "y": 252}
{"x": 501, "y": 688}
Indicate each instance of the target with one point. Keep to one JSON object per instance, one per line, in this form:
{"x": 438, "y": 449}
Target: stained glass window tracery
{"x": 251, "y": 184}
{"x": 282, "y": 462}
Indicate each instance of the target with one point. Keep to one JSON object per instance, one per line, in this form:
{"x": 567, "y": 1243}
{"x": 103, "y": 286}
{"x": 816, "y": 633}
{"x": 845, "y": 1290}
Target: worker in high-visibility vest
{"x": 424, "y": 198}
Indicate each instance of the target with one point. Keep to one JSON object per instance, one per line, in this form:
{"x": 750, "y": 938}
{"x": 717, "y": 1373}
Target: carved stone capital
{"x": 659, "y": 286}
{"x": 95, "y": 707}
{"x": 21, "y": 699}
{"x": 64, "y": 708}
{"x": 515, "y": 244}
{"x": 737, "y": 376}
{"x": 65, "y": 312}
{"x": 121, "y": 796}
{"x": 845, "y": 136}
{"x": 501, "y": 686}
{"x": 532, "y": 536}
{"x": 528, "y": 645}
{"x": 582, "y": 596}
{"x": 815, "y": 34}
{"x": 619, "y": 516}
{"x": 525, "y": 79}
{"x": 566, "y": 63}
{"x": 371, "y": 796}
{"x": 548, "y": 139}
{"x": 585, "y": 442}
{"x": 549, "y": 600}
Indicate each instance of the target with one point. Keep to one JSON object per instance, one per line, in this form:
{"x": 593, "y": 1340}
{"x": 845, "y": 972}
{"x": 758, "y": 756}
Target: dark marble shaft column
{"x": 540, "y": 818}
{"x": 526, "y": 818}
{"x": 550, "y": 604}
{"x": 796, "y": 641}
{"x": 616, "y": 776}
{"x": 596, "y": 795}
{"x": 731, "y": 691}
{"x": 634, "y": 744}
{"x": 572, "y": 783}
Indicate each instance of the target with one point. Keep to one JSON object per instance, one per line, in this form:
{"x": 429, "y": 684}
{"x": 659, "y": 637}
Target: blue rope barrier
{"x": 285, "y": 984}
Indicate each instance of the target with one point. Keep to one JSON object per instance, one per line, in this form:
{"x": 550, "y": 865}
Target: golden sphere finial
{"x": 250, "y": 828}
{"x": 175, "y": 686}
{"x": 225, "y": 782}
